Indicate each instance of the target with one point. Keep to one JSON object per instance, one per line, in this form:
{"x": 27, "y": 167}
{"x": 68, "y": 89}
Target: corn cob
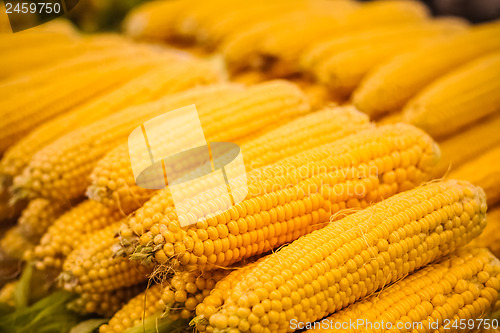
{"x": 105, "y": 304}
{"x": 390, "y": 87}
{"x": 273, "y": 37}
{"x": 285, "y": 200}
{"x": 34, "y": 78}
{"x": 215, "y": 28}
{"x": 331, "y": 268}
{"x": 17, "y": 62}
{"x": 92, "y": 266}
{"x": 490, "y": 236}
{"x": 468, "y": 144}
{"x": 38, "y": 216}
{"x": 483, "y": 171}
{"x": 301, "y": 134}
{"x": 14, "y": 245}
{"x": 185, "y": 290}
{"x": 7, "y": 293}
{"x": 109, "y": 131}
{"x": 135, "y": 311}
{"x": 462, "y": 287}
{"x": 166, "y": 78}
{"x": 458, "y": 99}
{"x": 23, "y": 114}
{"x": 70, "y": 230}
{"x": 287, "y": 44}
{"x": 342, "y": 62}
{"x": 154, "y": 20}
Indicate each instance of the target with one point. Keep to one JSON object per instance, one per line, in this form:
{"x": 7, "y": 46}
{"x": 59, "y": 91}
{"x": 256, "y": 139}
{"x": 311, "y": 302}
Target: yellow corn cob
{"x": 468, "y": 144}
{"x": 110, "y": 131}
{"x": 18, "y": 62}
{"x": 341, "y": 63}
{"x": 483, "y": 171}
{"x": 69, "y": 231}
{"x": 185, "y": 290}
{"x": 92, "y": 267}
{"x": 390, "y": 87}
{"x": 154, "y": 20}
{"x": 490, "y": 237}
{"x": 285, "y": 200}
{"x": 462, "y": 288}
{"x": 22, "y": 114}
{"x": 118, "y": 47}
{"x": 14, "y": 245}
{"x": 135, "y": 311}
{"x": 298, "y": 135}
{"x": 332, "y": 268}
{"x": 222, "y": 119}
{"x": 38, "y": 216}
{"x": 106, "y": 303}
{"x": 287, "y": 44}
{"x": 458, "y": 99}
{"x": 215, "y": 28}
{"x": 301, "y": 134}
{"x": 166, "y": 78}
{"x": 274, "y": 37}
{"x": 240, "y": 56}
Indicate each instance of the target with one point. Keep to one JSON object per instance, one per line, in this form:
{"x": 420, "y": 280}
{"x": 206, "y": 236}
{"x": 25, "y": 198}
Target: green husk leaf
{"x": 22, "y": 288}
{"x": 49, "y": 315}
{"x": 88, "y": 326}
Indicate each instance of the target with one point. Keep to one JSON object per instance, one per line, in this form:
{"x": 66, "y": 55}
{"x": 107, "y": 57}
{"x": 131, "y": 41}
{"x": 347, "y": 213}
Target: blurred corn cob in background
{"x": 389, "y": 88}
{"x": 20, "y": 115}
{"x": 490, "y": 238}
{"x": 451, "y": 99}
{"x": 468, "y": 144}
{"x": 484, "y": 171}
{"x": 341, "y": 63}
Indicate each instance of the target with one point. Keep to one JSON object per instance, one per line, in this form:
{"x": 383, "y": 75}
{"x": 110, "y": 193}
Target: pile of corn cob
{"x": 369, "y": 134}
